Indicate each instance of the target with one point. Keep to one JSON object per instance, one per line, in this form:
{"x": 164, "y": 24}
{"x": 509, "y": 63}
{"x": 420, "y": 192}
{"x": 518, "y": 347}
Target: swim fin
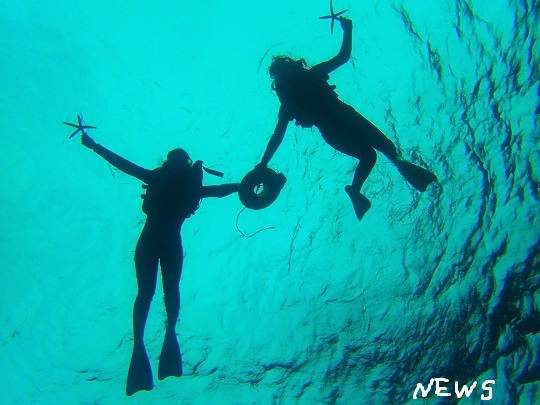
{"x": 170, "y": 360}
{"x": 418, "y": 177}
{"x": 360, "y": 203}
{"x": 140, "y": 372}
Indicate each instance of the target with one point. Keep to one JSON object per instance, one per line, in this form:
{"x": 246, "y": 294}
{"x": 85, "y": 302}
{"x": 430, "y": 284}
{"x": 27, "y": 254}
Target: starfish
{"x": 79, "y": 126}
{"x": 333, "y": 16}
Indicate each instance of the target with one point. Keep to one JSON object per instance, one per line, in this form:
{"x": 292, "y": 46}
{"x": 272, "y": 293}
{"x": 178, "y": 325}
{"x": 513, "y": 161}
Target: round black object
{"x": 260, "y": 188}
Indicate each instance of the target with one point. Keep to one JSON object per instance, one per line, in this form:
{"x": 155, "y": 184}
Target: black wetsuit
{"x": 306, "y": 97}
{"x": 160, "y": 243}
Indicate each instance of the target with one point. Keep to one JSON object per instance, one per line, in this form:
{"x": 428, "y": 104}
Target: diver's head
{"x": 283, "y": 65}
{"x": 178, "y": 160}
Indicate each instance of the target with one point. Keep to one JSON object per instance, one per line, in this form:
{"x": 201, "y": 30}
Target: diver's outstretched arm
{"x": 277, "y": 137}
{"x": 117, "y": 161}
{"x": 344, "y": 53}
{"x": 219, "y": 191}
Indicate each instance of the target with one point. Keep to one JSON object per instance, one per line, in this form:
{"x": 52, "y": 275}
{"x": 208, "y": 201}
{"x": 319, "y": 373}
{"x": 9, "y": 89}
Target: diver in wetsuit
{"x": 172, "y": 196}
{"x": 306, "y": 97}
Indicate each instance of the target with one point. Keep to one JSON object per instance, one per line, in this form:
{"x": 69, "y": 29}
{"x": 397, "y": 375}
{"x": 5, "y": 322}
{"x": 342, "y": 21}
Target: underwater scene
{"x": 270, "y": 202}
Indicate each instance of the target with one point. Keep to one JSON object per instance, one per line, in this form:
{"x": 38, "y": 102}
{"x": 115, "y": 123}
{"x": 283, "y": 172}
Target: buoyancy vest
{"x": 173, "y": 195}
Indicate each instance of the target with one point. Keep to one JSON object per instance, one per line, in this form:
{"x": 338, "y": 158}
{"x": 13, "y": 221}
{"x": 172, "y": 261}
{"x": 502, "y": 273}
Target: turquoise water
{"x": 322, "y": 309}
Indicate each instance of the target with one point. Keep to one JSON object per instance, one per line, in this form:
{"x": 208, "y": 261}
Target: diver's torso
{"x": 308, "y": 98}
{"x": 170, "y": 199}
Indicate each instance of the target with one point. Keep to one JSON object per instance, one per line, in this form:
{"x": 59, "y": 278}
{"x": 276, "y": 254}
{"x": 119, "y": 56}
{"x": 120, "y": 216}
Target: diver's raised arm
{"x": 277, "y": 137}
{"x": 344, "y": 53}
{"x": 117, "y": 161}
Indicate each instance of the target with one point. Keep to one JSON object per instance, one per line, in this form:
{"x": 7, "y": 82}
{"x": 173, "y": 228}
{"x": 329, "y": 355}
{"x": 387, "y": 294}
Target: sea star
{"x": 333, "y": 16}
{"x": 80, "y": 126}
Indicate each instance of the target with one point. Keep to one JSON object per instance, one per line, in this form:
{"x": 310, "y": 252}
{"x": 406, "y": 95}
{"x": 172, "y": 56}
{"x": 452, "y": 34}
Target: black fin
{"x": 417, "y": 176}
{"x": 140, "y": 372}
{"x": 170, "y": 360}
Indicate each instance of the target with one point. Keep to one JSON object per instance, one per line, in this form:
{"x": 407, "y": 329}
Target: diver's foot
{"x": 417, "y": 176}
{"x": 170, "y": 360}
{"x": 360, "y": 203}
{"x": 140, "y": 372}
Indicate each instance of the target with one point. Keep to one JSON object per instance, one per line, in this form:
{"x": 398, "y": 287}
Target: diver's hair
{"x": 177, "y": 153}
{"x": 283, "y": 64}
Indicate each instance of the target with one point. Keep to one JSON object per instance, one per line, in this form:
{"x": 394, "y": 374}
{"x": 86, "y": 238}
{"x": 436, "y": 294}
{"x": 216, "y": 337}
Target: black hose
{"x": 249, "y": 236}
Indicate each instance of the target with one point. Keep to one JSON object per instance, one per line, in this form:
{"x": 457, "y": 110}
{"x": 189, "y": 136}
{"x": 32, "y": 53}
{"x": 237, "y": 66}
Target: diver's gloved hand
{"x": 346, "y": 24}
{"x": 87, "y": 141}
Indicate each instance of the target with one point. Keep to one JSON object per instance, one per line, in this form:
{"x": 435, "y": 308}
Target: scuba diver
{"x": 306, "y": 97}
{"x": 173, "y": 193}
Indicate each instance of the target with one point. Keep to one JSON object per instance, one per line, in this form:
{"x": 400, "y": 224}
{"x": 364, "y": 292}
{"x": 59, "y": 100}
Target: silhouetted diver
{"x": 173, "y": 193}
{"x": 306, "y": 97}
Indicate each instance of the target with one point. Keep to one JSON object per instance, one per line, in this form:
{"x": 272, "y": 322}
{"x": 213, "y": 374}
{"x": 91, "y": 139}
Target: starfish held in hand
{"x": 333, "y": 16}
{"x": 79, "y": 126}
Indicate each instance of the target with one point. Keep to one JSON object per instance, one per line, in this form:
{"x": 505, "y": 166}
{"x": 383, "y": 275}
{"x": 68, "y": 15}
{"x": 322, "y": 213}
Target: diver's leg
{"x": 171, "y": 270}
{"x": 146, "y": 263}
{"x": 361, "y": 204}
{"x": 146, "y": 266}
{"x": 340, "y": 138}
{"x": 385, "y": 146}
{"x": 170, "y": 360}
{"x": 417, "y": 176}
{"x": 367, "y": 157}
